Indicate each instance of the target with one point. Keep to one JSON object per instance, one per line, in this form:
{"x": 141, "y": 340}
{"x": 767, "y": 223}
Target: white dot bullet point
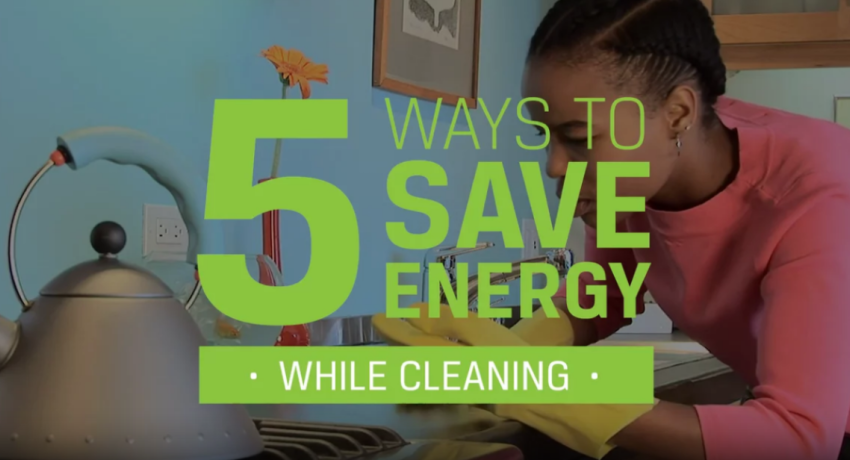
{"x": 254, "y": 376}
{"x": 594, "y": 376}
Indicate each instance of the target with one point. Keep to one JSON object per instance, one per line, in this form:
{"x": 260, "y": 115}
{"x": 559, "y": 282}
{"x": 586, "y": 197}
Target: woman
{"x": 748, "y": 211}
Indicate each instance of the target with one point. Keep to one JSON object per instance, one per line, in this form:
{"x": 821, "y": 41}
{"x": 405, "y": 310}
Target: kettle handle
{"x": 129, "y": 147}
{"x": 124, "y": 146}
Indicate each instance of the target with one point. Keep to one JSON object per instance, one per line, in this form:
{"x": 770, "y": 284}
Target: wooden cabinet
{"x": 782, "y": 34}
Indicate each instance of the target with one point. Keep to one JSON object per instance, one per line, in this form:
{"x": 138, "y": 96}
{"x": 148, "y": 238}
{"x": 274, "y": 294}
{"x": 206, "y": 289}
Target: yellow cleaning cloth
{"x": 585, "y": 428}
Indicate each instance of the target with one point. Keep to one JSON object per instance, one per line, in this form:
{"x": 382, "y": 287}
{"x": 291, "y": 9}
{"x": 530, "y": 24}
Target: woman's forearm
{"x": 669, "y": 431}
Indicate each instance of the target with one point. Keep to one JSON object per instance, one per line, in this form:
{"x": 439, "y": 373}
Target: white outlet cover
{"x": 162, "y": 248}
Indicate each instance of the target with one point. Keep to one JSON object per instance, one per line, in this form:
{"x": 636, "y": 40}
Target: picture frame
{"x": 412, "y": 58}
{"x": 841, "y": 111}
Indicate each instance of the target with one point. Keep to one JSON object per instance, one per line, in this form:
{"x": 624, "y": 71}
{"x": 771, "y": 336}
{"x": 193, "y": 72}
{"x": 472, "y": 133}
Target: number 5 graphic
{"x": 334, "y": 234}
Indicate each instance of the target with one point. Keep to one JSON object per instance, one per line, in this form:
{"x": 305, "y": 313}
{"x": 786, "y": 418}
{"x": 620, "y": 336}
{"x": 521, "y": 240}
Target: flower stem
{"x": 277, "y": 142}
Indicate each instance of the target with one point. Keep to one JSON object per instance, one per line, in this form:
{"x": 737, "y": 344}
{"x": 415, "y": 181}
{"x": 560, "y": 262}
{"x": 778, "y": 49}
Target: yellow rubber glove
{"x": 539, "y": 330}
{"x": 399, "y": 332}
{"x": 585, "y": 428}
{"x": 472, "y": 330}
{"x": 444, "y": 331}
{"x": 542, "y": 331}
{"x": 581, "y": 427}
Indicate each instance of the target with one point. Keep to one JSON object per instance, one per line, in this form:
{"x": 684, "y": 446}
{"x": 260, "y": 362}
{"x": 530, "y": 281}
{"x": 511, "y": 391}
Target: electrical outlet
{"x": 530, "y": 239}
{"x": 170, "y": 231}
{"x": 166, "y": 236}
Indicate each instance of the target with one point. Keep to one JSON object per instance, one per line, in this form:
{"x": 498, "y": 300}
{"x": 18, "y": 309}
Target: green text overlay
{"x": 426, "y": 375}
{"x": 334, "y": 228}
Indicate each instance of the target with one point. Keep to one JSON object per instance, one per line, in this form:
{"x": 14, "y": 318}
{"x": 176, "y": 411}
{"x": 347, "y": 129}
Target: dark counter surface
{"x": 685, "y": 379}
{"x": 456, "y": 422}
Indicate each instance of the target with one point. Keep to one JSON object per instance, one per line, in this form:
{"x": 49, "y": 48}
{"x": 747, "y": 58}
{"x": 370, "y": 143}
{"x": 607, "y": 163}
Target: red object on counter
{"x": 271, "y": 235}
{"x": 290, "y": 336}
{"x": 293, "y": 336}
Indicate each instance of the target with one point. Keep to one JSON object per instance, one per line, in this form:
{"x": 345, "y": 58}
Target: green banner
{"x": 426, "y": 375}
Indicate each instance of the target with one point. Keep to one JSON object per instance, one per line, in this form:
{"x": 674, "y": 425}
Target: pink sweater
{"x": 760, "y": 276}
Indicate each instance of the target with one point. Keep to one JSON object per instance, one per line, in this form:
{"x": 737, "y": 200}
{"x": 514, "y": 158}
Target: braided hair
{"x": 657, "y": 44}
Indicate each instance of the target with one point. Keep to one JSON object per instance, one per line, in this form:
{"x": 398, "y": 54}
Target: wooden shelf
{"x": 739, "y": 29}
{"x": 786, "y": 40}
{"x": 786, "y": 55}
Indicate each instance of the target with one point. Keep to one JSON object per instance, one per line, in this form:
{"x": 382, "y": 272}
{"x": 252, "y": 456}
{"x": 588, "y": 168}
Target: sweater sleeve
{"x": 803, "y": 396}
{"x": 614, "y": 320}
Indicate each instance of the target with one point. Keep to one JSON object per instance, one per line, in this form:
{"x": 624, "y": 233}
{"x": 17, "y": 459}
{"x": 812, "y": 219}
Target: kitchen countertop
{"x": 683, "y": 374}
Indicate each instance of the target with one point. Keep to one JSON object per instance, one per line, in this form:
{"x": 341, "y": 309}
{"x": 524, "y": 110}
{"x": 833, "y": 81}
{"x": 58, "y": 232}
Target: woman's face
{"x": 570, "y": 125}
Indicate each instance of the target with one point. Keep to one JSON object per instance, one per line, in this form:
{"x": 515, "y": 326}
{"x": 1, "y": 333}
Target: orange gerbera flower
{"x": 294, "y": 67}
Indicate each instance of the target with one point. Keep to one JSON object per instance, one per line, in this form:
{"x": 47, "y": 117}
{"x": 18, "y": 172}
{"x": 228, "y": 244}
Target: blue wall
{"x": 158, "y": 65}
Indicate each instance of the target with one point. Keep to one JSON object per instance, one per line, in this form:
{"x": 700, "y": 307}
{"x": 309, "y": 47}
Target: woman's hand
{"x": 681, "y": 439}
{"x": 542, "y": 331}
{"x": 584, "y": 330}
{"x": 586, "y": 428}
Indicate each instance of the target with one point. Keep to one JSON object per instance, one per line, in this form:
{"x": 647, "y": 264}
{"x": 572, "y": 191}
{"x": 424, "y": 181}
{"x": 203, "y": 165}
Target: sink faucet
{"x": 561, "y": 259}
{"x": 447, "y": 256}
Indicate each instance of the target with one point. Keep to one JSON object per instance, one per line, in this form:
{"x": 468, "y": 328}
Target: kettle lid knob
{"x": 108, "y": 238}
{"x": 106, "y": 276}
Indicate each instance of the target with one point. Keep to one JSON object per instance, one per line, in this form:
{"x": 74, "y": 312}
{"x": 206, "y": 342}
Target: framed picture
{"x": 428, "y": 49}
{"x": 842, "y": 111}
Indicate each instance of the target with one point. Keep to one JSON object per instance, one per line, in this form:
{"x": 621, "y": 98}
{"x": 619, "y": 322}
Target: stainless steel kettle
{"x": 103, "y": 364}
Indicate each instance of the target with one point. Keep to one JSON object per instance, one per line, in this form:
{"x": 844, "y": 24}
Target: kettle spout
{"x": 10, "y": 333}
